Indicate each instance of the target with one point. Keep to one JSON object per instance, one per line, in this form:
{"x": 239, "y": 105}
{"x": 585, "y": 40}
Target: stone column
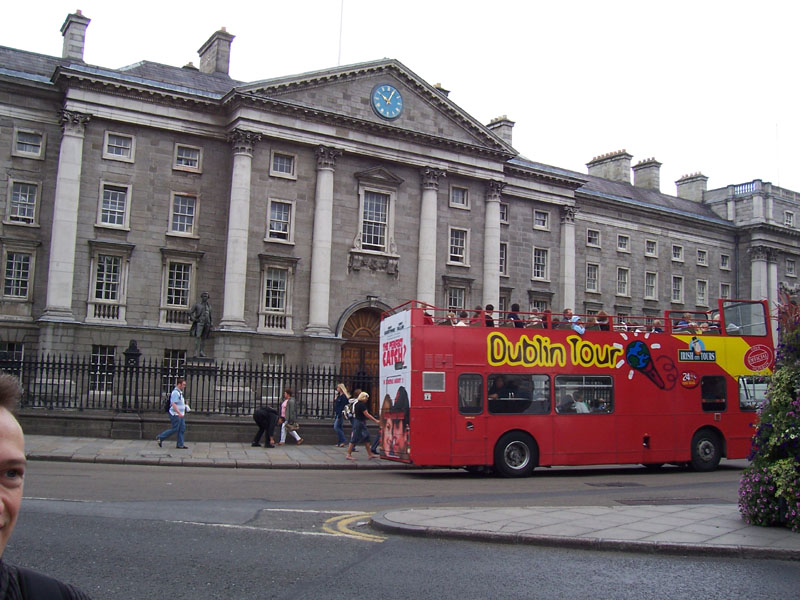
{"x": 64, "y": 233}
{"x": 426, "y": 268}
{"x": 243, "y": 143}
{"x": 772, "y": 288}
{"x": 567, "y": 266}
{"x": 321, "y": 244}
{"x": 759, "y": 278}
{"x": 491, "y": 244}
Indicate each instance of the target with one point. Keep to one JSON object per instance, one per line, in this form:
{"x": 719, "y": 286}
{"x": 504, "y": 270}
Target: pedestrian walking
{"x": 266, "y": 418}
{"x": 289, "y": 418}
{"x": 177, "y": 415}
{"x": 339, "y": 405}
{"x": 360, "y": 433}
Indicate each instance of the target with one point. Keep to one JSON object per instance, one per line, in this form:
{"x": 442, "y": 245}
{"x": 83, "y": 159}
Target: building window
{"x": 504, "y": 212}
{"x": 651, "y": 248}
{"x": 119, "y": 146}
{"x": 592, "y": 277}
{"x": 183, "y": 213}
{"x": 374, "y": 221}
{"x": 788, "y": 219}
{"x": 623, "y": 243}
{"x": 538, "y": 306}
{"x": 702, "y": 258}
{"x": 790, "y": 268}
{"x": 12, "y": 354}
{"x": 22, "y": 203}
{"x": 459, "y": 197}
{"x": 29, "y": 144}
{"x": 677, "y": 289}
{"x": 188, "y": 158}
{"x": 456, "y": 298}
{"x": 101, "y": 373}
{"x": 503, "y": 258}
{"x": 273, "y": 380}
{"x": 593, "y": 238}
{"x": 280, "y": 225}
{"x": 677, "y": 253}
{"x": 650, "y": 285}
{"x": 283, "y": 165}
{"x": 277, "y": 278}
{"x": 459, "y": 247}
{"x": 17, "y": 275}
{"x": 725, "y": 290}
{"x": 109, "y": 273}
{"x": 114, "y": 206}
{"x": 179, "y": 277}
{"x": 725, "y": 262}
{"x": 623, "y": 281}
{"x": 541, "y": 220}
{"x": 173, "y": 366}
{"x": 540, "y": 264}
{"x": 702, "y": 292}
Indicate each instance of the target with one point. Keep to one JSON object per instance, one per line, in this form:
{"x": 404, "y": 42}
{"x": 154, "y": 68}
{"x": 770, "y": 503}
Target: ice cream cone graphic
{"x": 637, "y": 354}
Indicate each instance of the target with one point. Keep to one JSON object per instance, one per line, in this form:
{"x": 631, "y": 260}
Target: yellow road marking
{"x": 340, "y": 526}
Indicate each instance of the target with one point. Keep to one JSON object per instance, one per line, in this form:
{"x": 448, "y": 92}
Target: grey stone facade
{"x": 237, "y": 154}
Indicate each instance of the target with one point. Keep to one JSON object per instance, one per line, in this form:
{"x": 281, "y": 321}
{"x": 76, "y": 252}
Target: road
{"x": 144, "y": 532}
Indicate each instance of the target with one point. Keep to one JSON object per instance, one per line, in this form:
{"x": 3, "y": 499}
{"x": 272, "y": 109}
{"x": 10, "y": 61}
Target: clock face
{"x": 387, "y": 101}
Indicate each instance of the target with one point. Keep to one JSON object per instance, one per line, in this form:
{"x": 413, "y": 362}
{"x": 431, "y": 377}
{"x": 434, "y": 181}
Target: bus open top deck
{"x": 512, "y": 391}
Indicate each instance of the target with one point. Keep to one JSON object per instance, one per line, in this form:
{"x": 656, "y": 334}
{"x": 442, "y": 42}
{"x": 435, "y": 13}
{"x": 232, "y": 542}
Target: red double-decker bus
{"x": 519, "y": 391}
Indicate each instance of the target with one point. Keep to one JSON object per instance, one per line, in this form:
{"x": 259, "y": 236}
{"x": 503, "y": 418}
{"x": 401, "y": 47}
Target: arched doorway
{"x": 360, "y": 367}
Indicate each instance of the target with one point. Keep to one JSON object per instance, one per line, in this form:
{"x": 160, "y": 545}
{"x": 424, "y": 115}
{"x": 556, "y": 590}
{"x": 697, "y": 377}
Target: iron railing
{"x": 227, "y": 388}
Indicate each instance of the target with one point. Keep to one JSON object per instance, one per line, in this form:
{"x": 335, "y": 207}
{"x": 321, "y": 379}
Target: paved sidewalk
{"x": 699, "y": 529}
{"x": 199, "y": 454}
{"x": 705, "y": 529}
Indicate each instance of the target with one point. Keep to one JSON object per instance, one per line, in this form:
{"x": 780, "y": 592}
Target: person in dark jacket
{"x": 265, "y": 417}
{"x": 342, "y": 399}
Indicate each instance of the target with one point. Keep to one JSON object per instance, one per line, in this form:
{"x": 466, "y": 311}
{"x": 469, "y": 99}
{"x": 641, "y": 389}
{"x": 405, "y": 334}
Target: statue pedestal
{"x": 201, "y": 382}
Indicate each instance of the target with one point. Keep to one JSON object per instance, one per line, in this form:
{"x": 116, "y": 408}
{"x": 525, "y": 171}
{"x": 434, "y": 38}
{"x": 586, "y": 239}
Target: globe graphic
{"x": 638, "y": 355}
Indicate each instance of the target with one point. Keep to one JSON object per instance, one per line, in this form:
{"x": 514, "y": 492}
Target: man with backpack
{"x": 177, "y": 415}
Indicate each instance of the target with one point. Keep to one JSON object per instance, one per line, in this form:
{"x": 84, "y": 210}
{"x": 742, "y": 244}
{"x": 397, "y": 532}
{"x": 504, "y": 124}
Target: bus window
{"x": 712, "y": 391}
{"x": 470, "y": 394}
{"x": 518, "y": 394}
{"x": 752, "y": 392}
{"x": 744, "y": 318}
{"x": 584, "y": 394}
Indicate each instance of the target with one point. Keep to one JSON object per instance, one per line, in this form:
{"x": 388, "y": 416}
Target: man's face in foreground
{"x": 12, "y": 471}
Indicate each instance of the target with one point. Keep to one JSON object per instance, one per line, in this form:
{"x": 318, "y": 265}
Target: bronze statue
{"x": 200, "y": 314}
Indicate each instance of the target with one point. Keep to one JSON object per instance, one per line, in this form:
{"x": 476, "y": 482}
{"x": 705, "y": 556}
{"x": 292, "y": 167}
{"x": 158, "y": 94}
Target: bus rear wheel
{"x": 706, "y": 450}
{"x": 515, "y": 455}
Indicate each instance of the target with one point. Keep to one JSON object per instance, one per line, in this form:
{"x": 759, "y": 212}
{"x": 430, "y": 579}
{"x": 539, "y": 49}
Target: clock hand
{"x": 385, "y": 99}
{"x": 390, "y": 96}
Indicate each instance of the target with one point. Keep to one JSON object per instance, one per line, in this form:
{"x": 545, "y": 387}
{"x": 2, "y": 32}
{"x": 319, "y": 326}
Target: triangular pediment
{"x": 380, "y": 176}
{"x": 345, "y": 93}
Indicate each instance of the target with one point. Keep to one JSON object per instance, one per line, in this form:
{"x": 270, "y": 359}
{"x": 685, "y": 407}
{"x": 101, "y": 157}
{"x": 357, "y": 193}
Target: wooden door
{"x": 360, "y": 365}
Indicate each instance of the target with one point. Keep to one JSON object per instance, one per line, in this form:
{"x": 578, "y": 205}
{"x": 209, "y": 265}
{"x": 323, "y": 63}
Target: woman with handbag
{"x": 289, "y": 418}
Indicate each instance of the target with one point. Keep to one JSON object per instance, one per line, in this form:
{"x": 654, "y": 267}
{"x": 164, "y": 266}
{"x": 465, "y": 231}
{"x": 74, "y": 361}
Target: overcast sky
{"x": 709, "y": 86}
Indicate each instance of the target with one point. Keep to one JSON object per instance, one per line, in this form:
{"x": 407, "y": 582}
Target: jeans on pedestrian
{"x": 178, "y": 426}
{"x": 337, "y": 427}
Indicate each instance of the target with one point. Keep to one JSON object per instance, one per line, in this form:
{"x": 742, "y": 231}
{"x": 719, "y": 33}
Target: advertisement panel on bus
{"x": 395, "y": 385}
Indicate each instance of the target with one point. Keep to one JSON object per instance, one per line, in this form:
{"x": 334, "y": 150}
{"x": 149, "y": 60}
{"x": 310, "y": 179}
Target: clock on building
{"x": 387, "y": 102}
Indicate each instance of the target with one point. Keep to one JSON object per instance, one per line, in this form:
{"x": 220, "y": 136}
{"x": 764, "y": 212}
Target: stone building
{"x": 307, "y": 204}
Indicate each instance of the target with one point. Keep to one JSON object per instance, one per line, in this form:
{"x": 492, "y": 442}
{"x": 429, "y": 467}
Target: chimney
{"x": 501, "y": 127}
{"x": 615, "y": 166}
{"x": 692, "y": 187}
{"x": 646, "y": 174}
{"x": 74, "y": 32}
{"x": 215, "y": 54}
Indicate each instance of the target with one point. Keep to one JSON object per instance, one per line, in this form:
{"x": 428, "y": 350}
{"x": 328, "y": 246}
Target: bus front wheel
{"x": 515, "y": 455}
{"x": 706, "y": 450}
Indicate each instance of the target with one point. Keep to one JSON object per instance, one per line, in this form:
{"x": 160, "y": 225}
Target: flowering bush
{"x": 769, "y": 491}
